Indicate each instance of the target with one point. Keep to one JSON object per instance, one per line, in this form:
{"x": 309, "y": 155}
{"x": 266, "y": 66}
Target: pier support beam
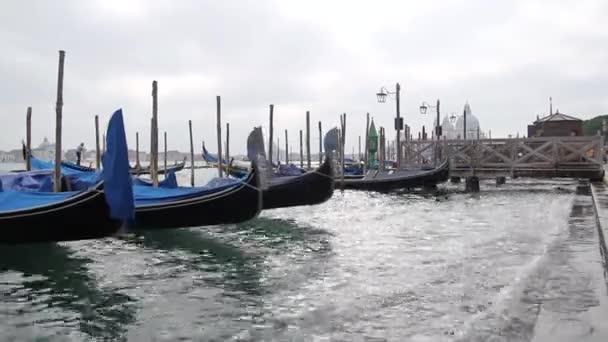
{"x": 454, "y": 180}
{"x": 472, "y": 184}
{"x": 501, "y": 180}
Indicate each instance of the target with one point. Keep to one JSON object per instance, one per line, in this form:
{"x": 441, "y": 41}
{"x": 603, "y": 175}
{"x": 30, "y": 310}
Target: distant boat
{"x": 147, "y": 169}
{"x": 397, "y": 179}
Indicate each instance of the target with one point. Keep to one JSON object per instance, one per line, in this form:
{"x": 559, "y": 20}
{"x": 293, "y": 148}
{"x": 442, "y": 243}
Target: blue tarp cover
{"x": 118, "y": 187}
{"x": 168, "y": 183}
{"x": 41, "y": 180}
{"x": 15, "y": 200}
{"x": 147, "y": 195}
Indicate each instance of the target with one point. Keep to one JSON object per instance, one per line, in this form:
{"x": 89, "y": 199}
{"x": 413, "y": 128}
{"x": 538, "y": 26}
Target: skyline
{"x": 506, "y": 60}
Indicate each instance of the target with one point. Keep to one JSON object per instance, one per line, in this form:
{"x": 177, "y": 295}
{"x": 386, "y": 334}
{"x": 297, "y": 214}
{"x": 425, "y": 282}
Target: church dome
{"x": 472, "y": 123}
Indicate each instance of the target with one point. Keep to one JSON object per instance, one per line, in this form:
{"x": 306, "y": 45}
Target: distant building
{"x": 6, "y": 157}
{"x": 556, "y": 125}
{"x": 453, "y": 131}
{"x": 45, "y": 151}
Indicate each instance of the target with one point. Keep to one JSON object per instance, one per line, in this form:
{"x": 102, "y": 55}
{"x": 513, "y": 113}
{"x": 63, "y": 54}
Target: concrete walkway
{"x": 574, "y": 300}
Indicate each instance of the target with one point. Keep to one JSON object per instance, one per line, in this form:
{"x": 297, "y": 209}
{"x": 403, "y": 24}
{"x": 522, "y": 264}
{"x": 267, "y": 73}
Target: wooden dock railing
{"x": 579, "y": 157}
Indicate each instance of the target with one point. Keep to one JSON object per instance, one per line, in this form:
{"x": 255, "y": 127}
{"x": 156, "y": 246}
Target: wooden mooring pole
{"x": 28, "y": 139}
{"x": 301, "y": 152}
{"x": 365, "y": 153}
{"x": 320, "y": 144}
{"x": 97, "y": 150}
{"x": 154, "y": 148}
{"x": 219, "y": 134}
{"x": 137, "y": 149}
{"x": 286, "y": 149}
{"x": 58, "y": 122}
{"x": 165, "y": 153}
{"x": 227, "y": 145}
{"x": 191, "y": 154}
{"x": 308, "y": 140}
{"x": 270, "y": 131}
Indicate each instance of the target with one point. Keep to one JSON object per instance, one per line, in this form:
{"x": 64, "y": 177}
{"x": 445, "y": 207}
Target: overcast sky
{"x": 505, "y": 58}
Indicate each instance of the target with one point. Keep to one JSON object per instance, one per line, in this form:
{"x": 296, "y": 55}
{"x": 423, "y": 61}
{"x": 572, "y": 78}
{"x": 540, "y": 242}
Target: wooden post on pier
{"x": 218, "y": 101}
{"x": 165, "y": 153}
{"x": 151, "y": 158}
{"x": 28, "y": 139}
{"x": 270, "y": 131}
{"x": 308, "y": 140}
{"x": 154, "y": 147}
{"x": 192, "y": 154}
{"x": 343, "y": 142}
{"x": 97, "y": 151}
{"x": 103, "y": 143}
{"x": 320, "y": 144}
{"x": 286, "y": 149}
{"x": 278, "y": 150}
{"x": 342, "y": 146}
{"x": 301, "y": 152}
{"x": 137, "y": 150}
{"x": 227, "y": 146}
{"x": 58, "y": 122}
{"x": 366, "y": 151}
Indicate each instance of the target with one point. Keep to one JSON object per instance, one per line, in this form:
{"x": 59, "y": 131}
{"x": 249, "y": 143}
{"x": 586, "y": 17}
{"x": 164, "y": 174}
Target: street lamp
{"x": 423, "y": 108}
{"x": 382, "y": 95}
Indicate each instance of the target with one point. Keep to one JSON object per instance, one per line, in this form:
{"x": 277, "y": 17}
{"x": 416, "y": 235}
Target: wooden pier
{"x": 576, "y": 157}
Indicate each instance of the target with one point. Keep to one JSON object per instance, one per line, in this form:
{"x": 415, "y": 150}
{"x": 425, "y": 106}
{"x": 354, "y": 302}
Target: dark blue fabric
{"x": 30, "y": 180}
{"x": 331, "y": 140}
{"x": 118, "y": 186}
{"x": 170, "y": 182}
{"x": 84, "y": 180}
{"x": 288, "y": 170}
{"x": 39, "y": 164}
{"x": 211, "y": 158}
{"x": 72, "y": 166}
{"x": 147, "y": 195}
{"x": 16, "y": 200}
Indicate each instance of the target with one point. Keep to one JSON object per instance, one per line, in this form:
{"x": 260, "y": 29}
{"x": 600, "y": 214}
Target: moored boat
{"x": 31, "y": 212}
{"x": 397, "y": 179}
{"x": 230, "y": 201}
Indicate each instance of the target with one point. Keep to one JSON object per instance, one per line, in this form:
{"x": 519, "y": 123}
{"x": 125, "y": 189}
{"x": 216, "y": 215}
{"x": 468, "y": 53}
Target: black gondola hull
{"x": 85, "y": 216}
{"x": 146, "y": 170}
{"x": 389, "y": 183}
{"x": 234, "y": 205}
{"x": 310, "y": 188}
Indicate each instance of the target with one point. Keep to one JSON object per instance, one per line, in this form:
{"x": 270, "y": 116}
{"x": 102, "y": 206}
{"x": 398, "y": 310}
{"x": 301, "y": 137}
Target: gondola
{"x": 63, "y": 216}
{"x": 31, "y": 214}
{"x": 313, "y": 187}
{"x": 146, "y": 170}
{"x": 392, "y": 180}
{"x": 310, "y": 188}
{"x": 159, "y": 208}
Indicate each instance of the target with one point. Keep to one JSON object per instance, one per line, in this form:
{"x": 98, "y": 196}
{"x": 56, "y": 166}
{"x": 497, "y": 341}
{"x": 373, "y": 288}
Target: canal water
{"x": 441, "y": 266}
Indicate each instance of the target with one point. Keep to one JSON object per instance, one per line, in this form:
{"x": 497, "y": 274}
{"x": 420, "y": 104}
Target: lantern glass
{"x": 423, "y": 109}
{"x": 381, "y": 97}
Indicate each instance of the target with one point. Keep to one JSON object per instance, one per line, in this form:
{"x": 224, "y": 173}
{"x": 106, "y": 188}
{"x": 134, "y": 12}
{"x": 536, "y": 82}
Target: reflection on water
{"x": 48, "y": 291}
{"x": 422, "y": 266}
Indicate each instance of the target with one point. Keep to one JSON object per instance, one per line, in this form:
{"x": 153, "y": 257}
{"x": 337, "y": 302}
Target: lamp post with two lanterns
{"x": 382, "y": 94}
{"x": 423, "y": 109}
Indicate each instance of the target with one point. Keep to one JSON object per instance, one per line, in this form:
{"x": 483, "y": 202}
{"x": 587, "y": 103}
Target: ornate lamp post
{"x": 382, "y": 95}
{"x": 423, "y": 109}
